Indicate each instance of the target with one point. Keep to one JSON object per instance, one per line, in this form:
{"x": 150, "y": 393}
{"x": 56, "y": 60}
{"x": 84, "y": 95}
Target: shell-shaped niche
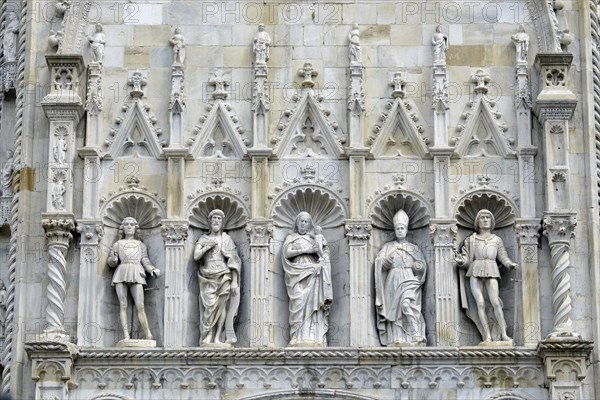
{"x": 382, "y": 214}
{"x": 324, "y": 208}
{"x": 146, "y": 211}
{"x": 236, "y": 216}
{"x": 503, "y": 211}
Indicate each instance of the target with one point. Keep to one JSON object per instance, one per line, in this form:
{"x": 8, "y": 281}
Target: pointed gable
{"x": 308, "y": 132}
{"x": 219, "y": 137}
{"x": 398, "y": 135}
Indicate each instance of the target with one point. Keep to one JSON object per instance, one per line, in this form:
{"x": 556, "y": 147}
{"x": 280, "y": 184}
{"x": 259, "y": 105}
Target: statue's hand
{"x": 514, "y": 265}
{"x": 155, "y": 272}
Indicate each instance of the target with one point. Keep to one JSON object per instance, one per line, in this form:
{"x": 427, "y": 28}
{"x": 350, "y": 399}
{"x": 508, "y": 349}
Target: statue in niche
{"x": 440, "y": 46}
{"x": 479, "y": 255}
{"x": 400, "y": 271}
{"x": 261, "y": 45}
{"x": 521, "y": 42}
{"x": 131, "y": 256}
{"x": 97, "y": 41}
{"x": 58, "y": 193}
{"x": 7, "y": 174}
{"x": 218, "y": 279}
{"x": 354, "y": 47}
{"x": 11, "y": 33}
{"x": 308, "y": 280}
{"x": 178, "y": 43}
{"x": 2, "y": 309}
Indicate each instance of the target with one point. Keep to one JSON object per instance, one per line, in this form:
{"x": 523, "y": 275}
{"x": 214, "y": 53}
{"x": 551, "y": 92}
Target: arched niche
{"x": 149, "y": 212}
{"x": 503, "y": 209}
{"x": 325, "y": 207}
{"x": 146, "y": 210}
{"x": 389, "y": 203}
{"x": 505, "y": 213}
{"x": 235, "y": 209}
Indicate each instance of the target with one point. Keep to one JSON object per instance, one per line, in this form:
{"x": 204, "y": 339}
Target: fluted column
{"x": 260, "y": 233}
{"x": 358, "y": 232}
{"x": 527, "y": 231}
{"x": 447, "y": 301}
{"x": 175, "y": 233}
{"x": 58, "y": 230}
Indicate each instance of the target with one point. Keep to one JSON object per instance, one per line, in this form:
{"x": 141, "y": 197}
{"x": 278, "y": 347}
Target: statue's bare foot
{"x": 488, "y": 339}
{"x": 506, "y": 338}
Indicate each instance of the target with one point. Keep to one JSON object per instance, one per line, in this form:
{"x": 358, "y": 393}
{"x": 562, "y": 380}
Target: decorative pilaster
{"x": 447, "y": 301}
{"x": 58, "y": 228}
{"x": 559, "y": 229}
{"x": 565, "y": 366}
{"x": 64, "y": 108}
{"x": 88, "y": 330}
{"x": 51, "y": 368}
{"x": 260, "y": 233}
{"x": 528, "y": 235}
{"x": 358, "y": 232}
{"x": 94, "y": 105}
{"x": 439, "y": 97}
{"x": 174, "y": 233}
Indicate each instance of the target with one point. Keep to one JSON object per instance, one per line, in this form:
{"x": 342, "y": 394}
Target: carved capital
{"x": 528, "y": 234}
{"x": 58, "y": 228}
{"x": 91, "y": 231}
{"x": 358, "y": 231}
{"x": 174, "y": 232}
{"x": 559, "y": 227}
{"x": 260, "y": 232}
{"x": 443, "y": 234}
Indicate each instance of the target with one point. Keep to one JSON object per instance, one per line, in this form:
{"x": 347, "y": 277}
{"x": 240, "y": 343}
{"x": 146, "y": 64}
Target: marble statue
{"x": 400, "y": 272}
{"x": 131, "y": 256}
{"x": 2, "y": 309}
{"x": 354, "y": 47}
{"x": 261, "y": 45}
{"x": 7, "y": 174}
{"x": 440, "y": 46}
{"x": 178, "y": 43}
{"x": 11, "y": 33}
{"x": 480, "y": 253}
{"x": 521, "y": 42}
{"x": 219, "y": 280}
{"x": 97, "y": 41}
{"x": 308, "y": 279}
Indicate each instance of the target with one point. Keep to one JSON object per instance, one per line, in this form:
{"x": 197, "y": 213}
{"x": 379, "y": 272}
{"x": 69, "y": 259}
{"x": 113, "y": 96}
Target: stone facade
{"x": 337, "y": 114}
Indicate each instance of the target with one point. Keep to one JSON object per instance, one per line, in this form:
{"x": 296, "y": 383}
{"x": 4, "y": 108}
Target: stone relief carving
{"x": 440, "y": 46}
{"x": 400, "y": 272}
{"x": 11, "y": 34}
{"x": 130, "y": 256}
{"x": 218, "y": 280}
{"x": 178, "y": 43}
{"x": 7, "y": 174}
{"x": 480, "y": 253}
{"x": 308, "y": 280}
{"x": 97, "y": 41}
{"x": 354, "y": 46}
{"x": 261, "y": 45}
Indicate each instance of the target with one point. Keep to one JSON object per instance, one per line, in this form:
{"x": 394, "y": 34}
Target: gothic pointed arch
{"x": 483, "y": 132}
{"x": 398, "y": 134}
{"x": 308, "y": 132}
{"x": 219, "y": 135}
